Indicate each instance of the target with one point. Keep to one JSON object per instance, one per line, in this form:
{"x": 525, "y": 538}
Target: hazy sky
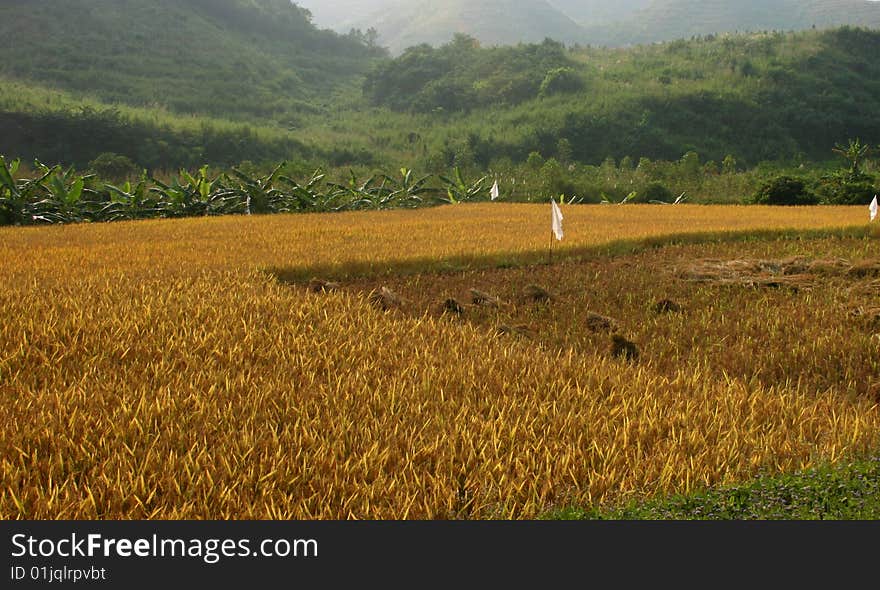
{"x": 338, "y": 14}
{"x": 341, "y": 14}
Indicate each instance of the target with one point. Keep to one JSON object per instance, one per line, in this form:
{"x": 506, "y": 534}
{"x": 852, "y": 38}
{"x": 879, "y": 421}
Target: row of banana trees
{"x": 53, "y": 195}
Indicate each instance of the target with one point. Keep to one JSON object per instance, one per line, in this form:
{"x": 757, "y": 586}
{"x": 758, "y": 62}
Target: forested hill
{"x": 761, "y": 96}
{"x": 758, "y": 96}
{"x": 254, "y": 58}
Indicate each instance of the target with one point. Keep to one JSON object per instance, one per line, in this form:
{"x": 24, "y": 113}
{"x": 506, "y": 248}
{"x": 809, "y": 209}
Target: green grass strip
{"x": 849, "y": 491}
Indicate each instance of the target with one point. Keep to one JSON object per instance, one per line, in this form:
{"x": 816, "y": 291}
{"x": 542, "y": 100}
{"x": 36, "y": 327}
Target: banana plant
{"x": 378, "y": 196}
{"x": 129, "y": 202}
{"x": 11, "y": 204}
{"x": 409, "y": 190}
{"x": 369, "y": 194}
{"x": 572, "y": 200}
{"x": 855, "y": 152}
{"x": 459, "y": 191}
{"x": 64, "y": 202}
{"x": 176, "y": 200}
{"x": 623, "y": 201}
{"x": 259, "y": 195}
{"x": 188, "y": 195}
{"x": 354, "y": 189}
{"x": 681, "y": 199}
{"x": 17, "y": 198}
{"x": 306, "y": 197}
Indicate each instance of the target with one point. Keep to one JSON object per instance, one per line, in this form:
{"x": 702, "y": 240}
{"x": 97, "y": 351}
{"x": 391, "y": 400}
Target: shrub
{"x": 846, "y": 189}
{"x": 784, "y": 190}
{"x": 560, "y": 80}
{"x": 655, "y": 191}
{"x": 115, "y": 167}
{"x": 535, "y": 161}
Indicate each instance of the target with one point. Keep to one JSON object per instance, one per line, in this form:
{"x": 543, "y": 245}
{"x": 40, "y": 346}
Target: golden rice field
{"x": 373, "y": 241}
{"x": 154, "y": 370}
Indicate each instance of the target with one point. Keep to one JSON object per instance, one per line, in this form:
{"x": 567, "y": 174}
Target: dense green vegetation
{"x": 78, "y": 135}
{"x": 850, "y": 491}
{"x": 114, "y": 188}
{"x": 758, "y": 97}
{"x": 460, "y": 76}
{"x": 714, "y": 118}
{"x": 52, "y": 194}
{"x": 231, "y": 58}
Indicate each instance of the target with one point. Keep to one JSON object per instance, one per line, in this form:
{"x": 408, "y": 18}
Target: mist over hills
{"x": 666, "y": 20}
{"x": 342, "y": 15}
{"x": 402, "y": 23}
{"x": 594, "y": 12}
{"x": 405, "y": 23}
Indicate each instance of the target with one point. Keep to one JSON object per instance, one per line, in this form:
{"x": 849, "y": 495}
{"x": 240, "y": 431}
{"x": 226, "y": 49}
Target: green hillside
{"x": 235, "y": 58}
{"x": 758, "y": 97}
{"x": 777, "y": 97}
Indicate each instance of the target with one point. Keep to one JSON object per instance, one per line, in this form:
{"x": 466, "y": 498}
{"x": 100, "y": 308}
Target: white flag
{"x": 494, "y": 192}
{"x": 873, "y": 208}
{"x": 557, "y": 219}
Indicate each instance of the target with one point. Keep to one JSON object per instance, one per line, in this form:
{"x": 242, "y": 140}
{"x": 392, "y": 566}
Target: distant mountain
{"x": 593, "y": 12}
{"x": 257, "y": 58}
{"x": 405, "y": 23}
{"x": 402, "y": 23}
{"x": 664, "y": 20}
{"x": 342, "y": 15}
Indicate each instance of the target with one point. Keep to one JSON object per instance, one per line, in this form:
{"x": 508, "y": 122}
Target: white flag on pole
{"x": 494, "y": 192}
{"x": 557, "y": 219}
{"x": 873, "y": 208}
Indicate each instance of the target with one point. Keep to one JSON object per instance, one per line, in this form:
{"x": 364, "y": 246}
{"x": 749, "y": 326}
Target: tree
{"x": 855, "y": 153}
{"x": 371, "y": 38}
{"x": 851, "y": 186}
{"x": 728, "y": 165}
{"x": 114, "y": 167}
{"x": 690, "y": 164}
{"x": 564, "y": 151}
{"x": 535, "y": 161}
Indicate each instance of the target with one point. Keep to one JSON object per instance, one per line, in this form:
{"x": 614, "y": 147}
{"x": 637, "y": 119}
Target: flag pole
{"x": 551, "y": 247}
